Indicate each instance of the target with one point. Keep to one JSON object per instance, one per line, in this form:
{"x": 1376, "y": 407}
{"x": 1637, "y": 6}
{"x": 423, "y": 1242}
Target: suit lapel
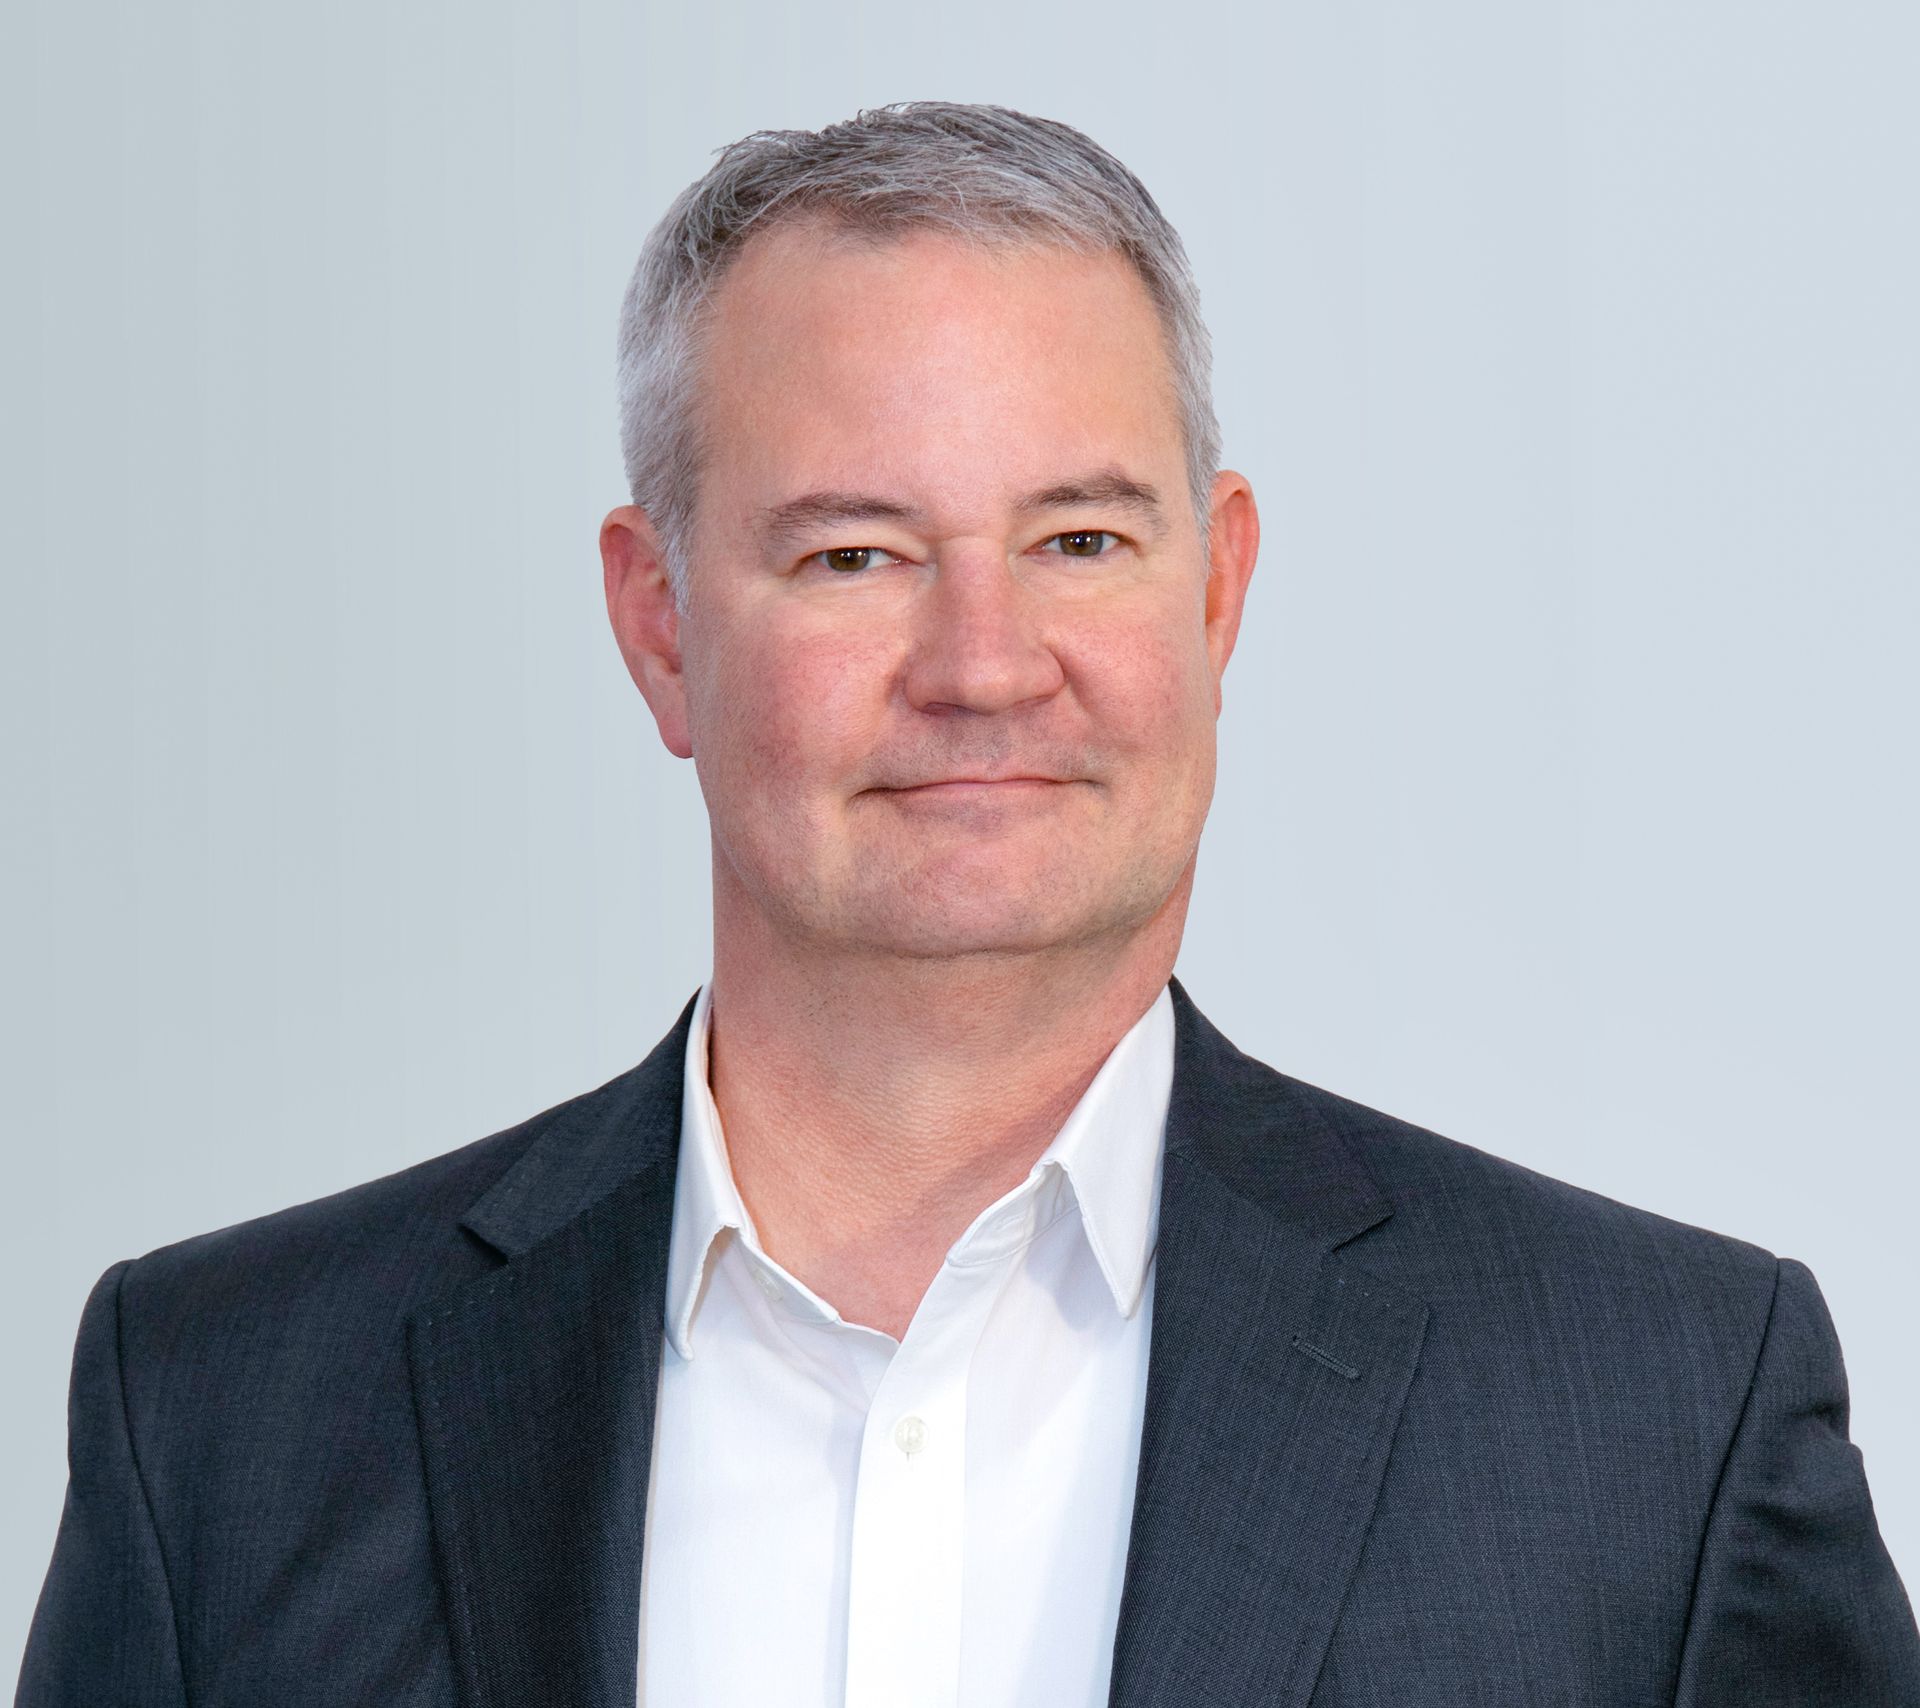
{"x": 535, "y": 1391}
{"x": 1276, "y": 1376}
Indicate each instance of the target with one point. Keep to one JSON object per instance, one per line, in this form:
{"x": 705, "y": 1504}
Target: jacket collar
{"x": 587, "y": 1148}
{"x": 1267, "y": 1138}
{"x": 1276, "y": 1375}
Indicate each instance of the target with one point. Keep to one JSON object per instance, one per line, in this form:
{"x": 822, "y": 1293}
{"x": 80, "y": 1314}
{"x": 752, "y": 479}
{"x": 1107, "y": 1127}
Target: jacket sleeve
{"x": 1796, "y": 1602}
{"x": 103, "y": 1634}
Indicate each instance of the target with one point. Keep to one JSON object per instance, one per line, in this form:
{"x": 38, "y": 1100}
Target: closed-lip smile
{"x": 959, "y": 787}
{"x": 977, "y": 782}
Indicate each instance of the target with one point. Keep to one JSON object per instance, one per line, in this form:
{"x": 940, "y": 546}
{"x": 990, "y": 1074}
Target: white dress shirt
{"x": 836, "y": 1517}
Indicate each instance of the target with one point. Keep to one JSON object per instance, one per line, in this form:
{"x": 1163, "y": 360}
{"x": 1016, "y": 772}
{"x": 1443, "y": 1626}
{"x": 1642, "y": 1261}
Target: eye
{"x": 1083, "y": 542}
{"x": 849, "y": 560}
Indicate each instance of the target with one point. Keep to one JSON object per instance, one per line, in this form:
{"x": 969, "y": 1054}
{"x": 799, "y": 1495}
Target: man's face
{"x": 949, "y": 669}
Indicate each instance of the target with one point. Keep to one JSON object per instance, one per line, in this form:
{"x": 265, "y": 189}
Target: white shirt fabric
{"x": 836, "y": 1517}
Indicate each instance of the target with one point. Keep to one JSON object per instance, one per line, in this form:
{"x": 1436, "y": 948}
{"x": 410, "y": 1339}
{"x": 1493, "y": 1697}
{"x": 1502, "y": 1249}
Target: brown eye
{"x": 847, "y": 559}
{"x": 1084, "y": 542}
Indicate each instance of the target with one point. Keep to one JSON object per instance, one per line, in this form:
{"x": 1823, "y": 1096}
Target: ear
{"x": 646, "y": 623}
{"x": 1233, "y": 544}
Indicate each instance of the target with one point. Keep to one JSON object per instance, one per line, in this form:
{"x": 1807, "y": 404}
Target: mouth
{"x": 981, "y": 794}
{"x": 963, "y": 787}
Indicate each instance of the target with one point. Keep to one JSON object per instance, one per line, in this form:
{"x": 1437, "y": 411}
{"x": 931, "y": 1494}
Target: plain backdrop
{"x": 1567, "y": 799}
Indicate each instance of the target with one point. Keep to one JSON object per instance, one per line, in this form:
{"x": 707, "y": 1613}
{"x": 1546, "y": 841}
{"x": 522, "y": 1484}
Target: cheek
{"x": 787, "y": 707}
{"x": 1150, "y": 687}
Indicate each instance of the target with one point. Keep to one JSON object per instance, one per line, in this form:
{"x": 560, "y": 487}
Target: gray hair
{"x": 982, "y": 172}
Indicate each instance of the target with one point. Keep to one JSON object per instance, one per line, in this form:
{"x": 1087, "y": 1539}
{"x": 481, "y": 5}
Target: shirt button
{"x": 768, "y": 1285}
{"x": 910, "y": 1435}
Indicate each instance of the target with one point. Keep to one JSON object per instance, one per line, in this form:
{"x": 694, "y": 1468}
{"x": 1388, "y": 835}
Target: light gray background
{"x": 1566, "y": 801}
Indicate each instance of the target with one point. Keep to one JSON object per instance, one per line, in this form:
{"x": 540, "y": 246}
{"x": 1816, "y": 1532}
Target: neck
{"x": 874, "y": 1104}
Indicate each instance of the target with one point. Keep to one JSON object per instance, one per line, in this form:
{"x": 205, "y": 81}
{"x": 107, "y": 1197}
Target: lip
{"x": 976, "y": 783}
{"x": 958, "y": 789}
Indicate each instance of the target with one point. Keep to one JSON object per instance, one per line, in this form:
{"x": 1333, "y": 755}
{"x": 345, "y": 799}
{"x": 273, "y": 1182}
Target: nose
{"x": 976, "y": 643}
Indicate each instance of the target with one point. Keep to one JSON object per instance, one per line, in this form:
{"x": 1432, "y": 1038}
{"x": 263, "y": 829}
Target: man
{"x": 944, "y": 1312}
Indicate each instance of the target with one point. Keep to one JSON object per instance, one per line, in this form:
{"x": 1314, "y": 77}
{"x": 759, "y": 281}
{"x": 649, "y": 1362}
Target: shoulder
{"x": 1453, "y": 1206}
{"x": 269, "y": 1362}
{"x": 364, "y": 1256}
{"x": 1524, "y": 1255}
{"x": 1491, "y": 1246}
{"x": 1546, "y": 1300}
{"x": 1441, "y": 1182}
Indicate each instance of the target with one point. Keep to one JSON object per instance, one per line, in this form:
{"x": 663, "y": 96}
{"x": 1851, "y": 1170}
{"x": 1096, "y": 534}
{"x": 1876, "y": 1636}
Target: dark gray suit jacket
{"x": 1422, "y": 1428}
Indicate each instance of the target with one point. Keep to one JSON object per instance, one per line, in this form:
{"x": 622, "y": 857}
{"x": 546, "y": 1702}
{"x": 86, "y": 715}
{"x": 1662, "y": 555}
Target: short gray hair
{"x": 981, "y": 172}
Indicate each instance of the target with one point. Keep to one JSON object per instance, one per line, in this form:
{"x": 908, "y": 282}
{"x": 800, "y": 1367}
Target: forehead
{"x": 831, "y": 356}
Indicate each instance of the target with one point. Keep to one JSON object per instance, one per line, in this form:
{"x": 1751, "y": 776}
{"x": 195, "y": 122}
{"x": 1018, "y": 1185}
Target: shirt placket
{"x": 909, "y": 1520}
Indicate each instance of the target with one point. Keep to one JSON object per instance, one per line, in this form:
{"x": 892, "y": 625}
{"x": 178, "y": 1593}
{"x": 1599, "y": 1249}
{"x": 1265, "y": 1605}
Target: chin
{"x": 929, "y": 940}
{"x": 1021, "y": 920}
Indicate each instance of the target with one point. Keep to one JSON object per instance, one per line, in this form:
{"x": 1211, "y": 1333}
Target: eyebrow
{"x": 800, "y": 515}
{"x": 1111, "y": 487}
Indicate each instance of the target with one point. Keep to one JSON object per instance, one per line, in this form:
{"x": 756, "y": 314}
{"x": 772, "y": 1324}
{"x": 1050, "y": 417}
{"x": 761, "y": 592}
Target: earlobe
{"x": 645, "y": 619}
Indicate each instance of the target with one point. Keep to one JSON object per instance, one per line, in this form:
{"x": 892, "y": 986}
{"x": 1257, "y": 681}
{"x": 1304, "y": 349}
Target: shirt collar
{"x": 1109, "y": 1149}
